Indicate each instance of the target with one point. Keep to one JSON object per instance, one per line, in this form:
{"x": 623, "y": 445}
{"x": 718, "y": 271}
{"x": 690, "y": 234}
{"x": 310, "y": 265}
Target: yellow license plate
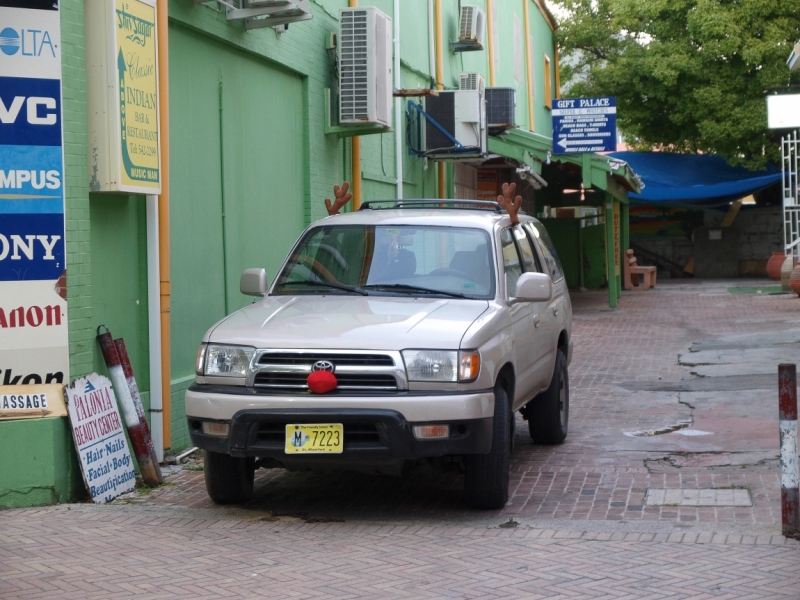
{"x": 315, "y": 439}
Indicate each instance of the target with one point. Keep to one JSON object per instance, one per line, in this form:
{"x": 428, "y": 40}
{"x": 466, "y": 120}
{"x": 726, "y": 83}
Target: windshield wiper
{"x": 338, "y": 286}
{"x": 402, "y": 287}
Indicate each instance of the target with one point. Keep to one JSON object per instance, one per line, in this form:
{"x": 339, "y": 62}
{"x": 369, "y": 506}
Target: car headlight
{"x": 441, "y": 365}
{"x": 227, "y": 361}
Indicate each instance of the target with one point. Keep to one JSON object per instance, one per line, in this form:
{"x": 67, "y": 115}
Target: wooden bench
{"x": 637, "y": 277}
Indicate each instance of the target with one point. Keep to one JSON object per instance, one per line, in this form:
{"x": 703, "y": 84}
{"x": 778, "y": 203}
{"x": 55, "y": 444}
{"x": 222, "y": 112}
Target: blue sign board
{"x": 584, "y": 125}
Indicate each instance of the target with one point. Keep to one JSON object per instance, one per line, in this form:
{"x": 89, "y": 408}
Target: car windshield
{"x": 397, "y": 260}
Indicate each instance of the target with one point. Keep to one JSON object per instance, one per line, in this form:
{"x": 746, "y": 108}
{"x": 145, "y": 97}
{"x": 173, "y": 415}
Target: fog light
{"x": 427, "y": 432}
{"x": 218, "y": 429}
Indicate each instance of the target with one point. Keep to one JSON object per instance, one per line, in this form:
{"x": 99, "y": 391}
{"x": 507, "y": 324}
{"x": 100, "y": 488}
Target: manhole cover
{"x": 703, "y": 497}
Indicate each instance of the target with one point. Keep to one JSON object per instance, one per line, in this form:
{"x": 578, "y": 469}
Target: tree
{"x": 689, "y": 75}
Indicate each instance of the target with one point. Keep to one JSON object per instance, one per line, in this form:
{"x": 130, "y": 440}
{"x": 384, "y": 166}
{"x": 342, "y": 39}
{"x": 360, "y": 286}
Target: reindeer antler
{"x": 509, "y": 202}
{"x": 342, "y": 197}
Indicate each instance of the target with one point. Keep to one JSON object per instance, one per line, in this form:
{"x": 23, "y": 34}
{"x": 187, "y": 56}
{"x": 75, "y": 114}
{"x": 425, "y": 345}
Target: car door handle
{"x": 536, "y": 322}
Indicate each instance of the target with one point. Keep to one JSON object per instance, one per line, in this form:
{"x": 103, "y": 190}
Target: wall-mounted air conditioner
{"x": 458, "y": 130}
{"x": 471, "y": 25}
{"x": 501, "y": 109}
{"x": 266, "y": 13}
{"x": 472, "y": 81}
{"x": 365, "y": 67}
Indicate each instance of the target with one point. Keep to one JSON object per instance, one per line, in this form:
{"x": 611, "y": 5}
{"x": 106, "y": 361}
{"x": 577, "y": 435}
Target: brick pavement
{"x": 581, "y": 527}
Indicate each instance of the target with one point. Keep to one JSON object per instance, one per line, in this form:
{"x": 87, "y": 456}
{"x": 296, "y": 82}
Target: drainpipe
{"x": 355, "y": 158}
{"x": 490, "y": 30}
{"x": 398, "y": 104}
{"x": 528, "y": 65}
{"x": 440, "y": 85}
{"x": 431, "y": 42}
{"x": 154, "y": 323}
{"x": 163, "y": 220}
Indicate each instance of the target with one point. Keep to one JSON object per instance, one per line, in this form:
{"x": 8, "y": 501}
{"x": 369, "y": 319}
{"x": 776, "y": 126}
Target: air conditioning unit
{"x": 501, "y": 109}
{"x": 471, "y": 25}
{"x": 267, "y": 13}
{"x": 462, "y": 114}
{"x": 472, "y": 81}
{"x": 365, "y": 67}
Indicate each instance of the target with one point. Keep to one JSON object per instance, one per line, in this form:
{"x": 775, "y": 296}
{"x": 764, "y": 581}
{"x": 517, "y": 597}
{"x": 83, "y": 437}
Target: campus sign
{"x": 584, "y": 125}
{"x": 124, "y": 139}
{"x": 34, "y": 346}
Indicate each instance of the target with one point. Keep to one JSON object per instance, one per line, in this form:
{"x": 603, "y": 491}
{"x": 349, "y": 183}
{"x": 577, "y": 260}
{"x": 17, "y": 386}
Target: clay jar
{"x": 794, "y": 280}
{"x": 774, "y": 265}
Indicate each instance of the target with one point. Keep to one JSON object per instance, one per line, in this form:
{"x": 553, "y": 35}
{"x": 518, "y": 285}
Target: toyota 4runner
{"x": 404, "y": 331}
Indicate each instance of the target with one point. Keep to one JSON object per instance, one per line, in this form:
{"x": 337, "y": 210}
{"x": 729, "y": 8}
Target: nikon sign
{"x": 122, "y": 76}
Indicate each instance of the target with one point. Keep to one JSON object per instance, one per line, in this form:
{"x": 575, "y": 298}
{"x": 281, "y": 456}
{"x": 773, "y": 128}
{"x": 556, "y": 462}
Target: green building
{"x": 255, "y": 147}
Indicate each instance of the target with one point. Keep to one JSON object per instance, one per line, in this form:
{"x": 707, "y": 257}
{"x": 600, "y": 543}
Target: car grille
{"x": 297, "y": 381}
{"x": 287, "y": 371}
{"x": 340, "y": 360}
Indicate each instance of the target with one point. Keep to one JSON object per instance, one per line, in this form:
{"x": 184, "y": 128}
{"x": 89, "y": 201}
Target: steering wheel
{"x": 315, "y": 267}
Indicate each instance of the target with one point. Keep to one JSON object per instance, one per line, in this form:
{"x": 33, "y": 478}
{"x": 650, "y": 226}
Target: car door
{"x": 529, "y": 349}
{"x": 554, "y": 312}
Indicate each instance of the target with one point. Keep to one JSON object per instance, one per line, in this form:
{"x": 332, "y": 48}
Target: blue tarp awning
{"x": 693, "y": 178}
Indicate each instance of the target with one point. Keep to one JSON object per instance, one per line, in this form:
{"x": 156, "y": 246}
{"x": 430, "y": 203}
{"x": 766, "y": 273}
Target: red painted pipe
{"x": 139, "y": 435}
{"x": 787, "y": 413}
{"x": 127, "y": 370}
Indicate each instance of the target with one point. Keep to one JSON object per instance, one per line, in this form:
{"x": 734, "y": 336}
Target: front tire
{"x": 229, "y": 480}
{"x": 486, "y": 475}
{"x": 548, "y": 413}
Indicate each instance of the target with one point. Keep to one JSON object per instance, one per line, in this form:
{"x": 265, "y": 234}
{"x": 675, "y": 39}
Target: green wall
{"x": 40, "y": 465}
{"x": 267, "y": 160}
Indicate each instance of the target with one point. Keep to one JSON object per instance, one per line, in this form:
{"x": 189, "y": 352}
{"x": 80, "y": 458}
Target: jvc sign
{"x": 584, "y": 125}
{"x": 30, "y": 111}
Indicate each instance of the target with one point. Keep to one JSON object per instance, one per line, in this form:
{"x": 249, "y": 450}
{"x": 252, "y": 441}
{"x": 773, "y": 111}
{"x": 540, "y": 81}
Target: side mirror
{"x": 253, "y": 282}
{"x": 534, "y": 287}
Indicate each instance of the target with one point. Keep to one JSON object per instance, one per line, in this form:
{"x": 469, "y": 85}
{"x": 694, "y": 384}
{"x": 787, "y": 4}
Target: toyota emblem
{"x": 323, "y": 365}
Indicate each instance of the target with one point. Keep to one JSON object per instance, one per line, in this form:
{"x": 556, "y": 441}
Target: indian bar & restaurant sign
{"x": 123, "y": 97}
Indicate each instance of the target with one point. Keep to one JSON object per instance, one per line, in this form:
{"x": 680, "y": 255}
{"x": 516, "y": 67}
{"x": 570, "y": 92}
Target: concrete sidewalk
{"x": 667, "y": 487}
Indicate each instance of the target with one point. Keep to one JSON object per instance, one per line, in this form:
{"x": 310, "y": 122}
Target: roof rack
{"x": 447, "y": 204}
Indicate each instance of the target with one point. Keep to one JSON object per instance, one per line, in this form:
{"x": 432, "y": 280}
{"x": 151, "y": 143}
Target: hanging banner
{"x": 124, "y": 138}
{"x": 99, "y": 437}
{"x": 34, "y": 347}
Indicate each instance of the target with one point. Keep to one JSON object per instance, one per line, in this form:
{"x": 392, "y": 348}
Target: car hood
{"x": 347, "y": 322}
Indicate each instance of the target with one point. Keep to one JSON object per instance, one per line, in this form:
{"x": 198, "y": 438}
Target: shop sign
{"x": 34, "y": 347}
{"x": 487, "y": 184}
{"x": 124, "y": 139}
{"x": 99, "y": 437}
{"x": 32, "y": 402}
{"x": 584, "y": 125}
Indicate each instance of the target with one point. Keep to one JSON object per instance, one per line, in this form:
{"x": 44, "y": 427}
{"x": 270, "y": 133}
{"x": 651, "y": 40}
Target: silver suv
{"x": 404, "y": 331}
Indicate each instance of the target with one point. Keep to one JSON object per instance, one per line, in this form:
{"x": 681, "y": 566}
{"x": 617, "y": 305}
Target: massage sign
{"x": 99, "y": 436}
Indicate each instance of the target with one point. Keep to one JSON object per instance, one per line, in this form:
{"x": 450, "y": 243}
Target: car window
{"x": 453, "y": 260}
{"x": 530, "y": 260}
{"x": 511, "y": 261}
{"x": 539, "y": 233}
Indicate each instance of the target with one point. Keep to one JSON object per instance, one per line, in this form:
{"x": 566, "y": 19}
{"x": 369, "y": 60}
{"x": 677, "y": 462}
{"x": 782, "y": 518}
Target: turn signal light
{"x": 428, "y": 432}
{"x": 218, "y": 429}
{"x": 469, "y": 365}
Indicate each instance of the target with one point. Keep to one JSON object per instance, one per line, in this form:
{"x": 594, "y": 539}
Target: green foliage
{"x": 689, "y": 75}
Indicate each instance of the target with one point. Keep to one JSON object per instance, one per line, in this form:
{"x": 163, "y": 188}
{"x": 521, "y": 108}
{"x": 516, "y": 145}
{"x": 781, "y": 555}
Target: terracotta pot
{"x": 774, "y": 265}
{"x": 794, "y": 280}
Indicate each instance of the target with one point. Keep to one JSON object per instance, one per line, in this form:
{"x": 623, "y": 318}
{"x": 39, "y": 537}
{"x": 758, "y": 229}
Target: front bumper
{"x": 369, "y": 435}
{"x": 376, "y": 427}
